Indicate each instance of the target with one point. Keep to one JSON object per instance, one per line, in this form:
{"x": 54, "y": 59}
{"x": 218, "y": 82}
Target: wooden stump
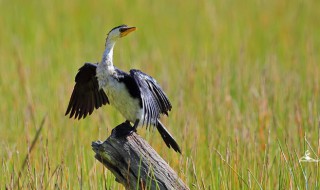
{"x": 135, "y": 164}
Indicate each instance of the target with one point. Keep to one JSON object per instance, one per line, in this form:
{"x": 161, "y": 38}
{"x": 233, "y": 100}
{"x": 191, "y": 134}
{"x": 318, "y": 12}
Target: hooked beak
{"x": 127, "y": 30}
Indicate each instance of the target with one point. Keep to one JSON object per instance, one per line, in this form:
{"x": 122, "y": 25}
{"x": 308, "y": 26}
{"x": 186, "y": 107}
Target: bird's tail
{"x": 167, "y": 138}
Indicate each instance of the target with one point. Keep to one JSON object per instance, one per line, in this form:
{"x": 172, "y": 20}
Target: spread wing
{"x": 154, "y": 100}
{"x": 86, "y": 94}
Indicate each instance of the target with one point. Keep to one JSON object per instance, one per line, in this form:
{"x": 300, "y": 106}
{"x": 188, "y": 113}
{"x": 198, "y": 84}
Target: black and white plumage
{"x": 136, "y": 95}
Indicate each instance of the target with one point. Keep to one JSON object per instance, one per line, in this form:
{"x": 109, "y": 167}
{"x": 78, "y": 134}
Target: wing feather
{"x": 155, "y": 101}
{"x": 86, "y": 95}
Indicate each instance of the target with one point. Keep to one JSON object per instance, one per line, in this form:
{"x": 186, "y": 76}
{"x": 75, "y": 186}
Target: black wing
{"x": 154, "y": 100}
{"x": 86, "y": 94}
{"x": 129, "y": 82}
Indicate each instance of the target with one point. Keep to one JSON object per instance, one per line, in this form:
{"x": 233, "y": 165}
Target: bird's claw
{"x": 123, "y": 130}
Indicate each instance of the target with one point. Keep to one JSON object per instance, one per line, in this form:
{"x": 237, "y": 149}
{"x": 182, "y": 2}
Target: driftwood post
{"x": 135, "y": 164}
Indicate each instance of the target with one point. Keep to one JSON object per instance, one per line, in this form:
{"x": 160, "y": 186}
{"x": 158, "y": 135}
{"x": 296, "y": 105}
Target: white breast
{"x": 118, "y": 94}
{"x": 120, "y": 98}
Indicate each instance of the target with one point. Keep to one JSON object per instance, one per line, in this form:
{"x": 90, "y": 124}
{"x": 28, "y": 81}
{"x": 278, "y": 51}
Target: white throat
{"x": 107, "y": 57}
{"x": 105, "y": 69}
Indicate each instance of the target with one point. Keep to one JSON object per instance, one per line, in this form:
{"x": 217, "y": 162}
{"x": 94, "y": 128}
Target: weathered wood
{"x": 135, "y": 164}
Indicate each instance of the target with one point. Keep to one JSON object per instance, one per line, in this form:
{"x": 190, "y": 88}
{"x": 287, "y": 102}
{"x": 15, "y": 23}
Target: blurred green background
{"x": 243, "y": 78}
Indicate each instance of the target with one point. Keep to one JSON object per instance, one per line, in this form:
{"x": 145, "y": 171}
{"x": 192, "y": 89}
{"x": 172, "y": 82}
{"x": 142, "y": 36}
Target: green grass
{"x": 243, "y": 78}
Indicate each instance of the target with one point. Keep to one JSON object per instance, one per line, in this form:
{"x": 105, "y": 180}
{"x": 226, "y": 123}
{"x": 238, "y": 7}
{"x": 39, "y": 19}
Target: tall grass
{"x": 243, "y": 78}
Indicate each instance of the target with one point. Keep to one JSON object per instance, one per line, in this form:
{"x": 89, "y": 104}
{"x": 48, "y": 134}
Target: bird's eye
{"x": 122, "y": 29}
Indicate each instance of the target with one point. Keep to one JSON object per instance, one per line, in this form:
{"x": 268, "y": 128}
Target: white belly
{"x": 120, "y": 98}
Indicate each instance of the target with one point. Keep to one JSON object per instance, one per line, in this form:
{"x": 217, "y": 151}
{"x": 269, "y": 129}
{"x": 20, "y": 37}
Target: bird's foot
{"x": 123, "y": 130}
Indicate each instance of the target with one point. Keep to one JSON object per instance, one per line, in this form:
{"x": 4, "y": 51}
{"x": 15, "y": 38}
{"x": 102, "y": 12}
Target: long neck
{"x": 107, "y": 57}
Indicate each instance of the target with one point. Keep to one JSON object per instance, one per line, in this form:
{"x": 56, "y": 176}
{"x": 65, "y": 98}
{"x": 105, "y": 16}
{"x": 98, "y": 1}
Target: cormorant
{"x": 136, "y": 95}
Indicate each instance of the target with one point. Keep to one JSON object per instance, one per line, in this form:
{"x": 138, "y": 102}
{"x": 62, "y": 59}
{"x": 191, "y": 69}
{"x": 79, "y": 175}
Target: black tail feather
{"x": 167, "y": 138}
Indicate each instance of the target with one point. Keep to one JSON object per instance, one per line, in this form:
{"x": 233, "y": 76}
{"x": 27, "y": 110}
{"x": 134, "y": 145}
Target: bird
{"x": 136, "y": 95}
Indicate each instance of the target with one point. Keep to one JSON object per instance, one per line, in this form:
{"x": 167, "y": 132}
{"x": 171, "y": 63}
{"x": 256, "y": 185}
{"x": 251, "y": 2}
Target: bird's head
{"x": 119, "y": 32}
